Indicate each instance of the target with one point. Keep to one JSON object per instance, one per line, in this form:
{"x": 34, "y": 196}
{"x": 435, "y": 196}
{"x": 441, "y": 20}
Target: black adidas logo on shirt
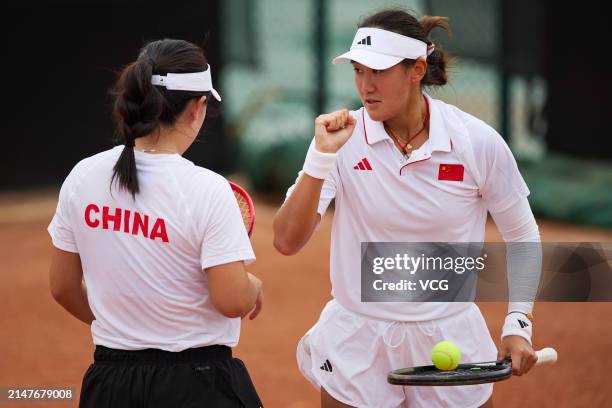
{"x": 327, "y": 366}
{"x": 365, "y": 41}
{"x": 523, "y": 324}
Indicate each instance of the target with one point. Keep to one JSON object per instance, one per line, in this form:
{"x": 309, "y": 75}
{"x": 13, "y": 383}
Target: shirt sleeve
{"x": 523, "y": 254}
{"x": 225, "y": 237}
{"x": 61, "y": 226}
{"x": 504, "y": 186}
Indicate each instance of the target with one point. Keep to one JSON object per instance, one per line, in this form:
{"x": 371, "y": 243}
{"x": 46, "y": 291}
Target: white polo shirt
{"x": 440, "y": 194}
{"x": 143, "y": 260}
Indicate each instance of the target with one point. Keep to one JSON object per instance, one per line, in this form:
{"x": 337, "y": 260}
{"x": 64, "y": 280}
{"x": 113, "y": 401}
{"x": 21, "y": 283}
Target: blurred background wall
{"x": 532, "y": 69}
{"x": 61, "y": 59}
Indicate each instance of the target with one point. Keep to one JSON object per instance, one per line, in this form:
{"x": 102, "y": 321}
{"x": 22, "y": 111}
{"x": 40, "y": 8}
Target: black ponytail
{"x": 402, "y": 21}
{"x": 141, "y": 107}
{"x": 438, "y": 60}
{"x": 138, "y": 106}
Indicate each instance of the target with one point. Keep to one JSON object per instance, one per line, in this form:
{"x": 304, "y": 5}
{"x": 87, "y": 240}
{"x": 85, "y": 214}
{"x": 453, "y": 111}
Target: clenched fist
{"x": 332, "y": 130}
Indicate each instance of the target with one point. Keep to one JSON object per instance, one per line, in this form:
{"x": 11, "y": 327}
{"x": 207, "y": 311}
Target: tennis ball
{"x": 445, "y": 355}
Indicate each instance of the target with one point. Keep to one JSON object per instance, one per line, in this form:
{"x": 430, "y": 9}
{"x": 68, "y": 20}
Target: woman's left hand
{"x": 520, "y": 351}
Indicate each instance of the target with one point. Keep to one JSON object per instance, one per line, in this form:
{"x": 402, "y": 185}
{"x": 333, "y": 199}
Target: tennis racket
{"x": 464, "y": 374}
{"x": 247, "y": 209}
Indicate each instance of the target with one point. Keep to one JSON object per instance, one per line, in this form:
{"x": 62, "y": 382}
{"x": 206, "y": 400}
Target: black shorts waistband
{"x": 154, "y": 356}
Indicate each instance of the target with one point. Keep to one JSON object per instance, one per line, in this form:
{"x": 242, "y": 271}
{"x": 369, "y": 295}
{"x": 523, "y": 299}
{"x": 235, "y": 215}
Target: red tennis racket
{"x": 247, "y": 209}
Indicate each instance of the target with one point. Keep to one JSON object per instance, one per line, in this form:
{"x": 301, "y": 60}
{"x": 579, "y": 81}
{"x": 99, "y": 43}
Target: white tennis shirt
{"x": 440, "y": 194}
{"x": 143, "y": 260}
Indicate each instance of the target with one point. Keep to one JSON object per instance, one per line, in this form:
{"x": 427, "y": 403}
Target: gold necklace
{"x": 407, "y": 146}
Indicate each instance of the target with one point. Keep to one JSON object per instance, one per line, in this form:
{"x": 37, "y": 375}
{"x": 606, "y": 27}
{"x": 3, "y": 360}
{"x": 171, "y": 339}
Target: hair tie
{"x": 130, "y": 144}
{"x": 430, "y": 49}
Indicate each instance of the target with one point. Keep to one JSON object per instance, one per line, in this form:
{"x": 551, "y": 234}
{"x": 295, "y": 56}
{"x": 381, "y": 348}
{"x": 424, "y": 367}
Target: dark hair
{"x": 401, "y": 21}
{"x": 140, "y": 107}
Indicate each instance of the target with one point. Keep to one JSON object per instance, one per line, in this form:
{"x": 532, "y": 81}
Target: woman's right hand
{"x": 332, "y": 130}
{"x": 259, "y": 302}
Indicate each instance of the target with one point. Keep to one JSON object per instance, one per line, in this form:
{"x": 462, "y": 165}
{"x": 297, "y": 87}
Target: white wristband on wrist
{"x": 517, "y": 324}
{"x": 318, "y": 164}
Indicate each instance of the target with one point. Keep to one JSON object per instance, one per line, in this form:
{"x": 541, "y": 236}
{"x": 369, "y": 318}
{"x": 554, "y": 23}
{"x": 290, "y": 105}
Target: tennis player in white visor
{"x": 161, "y": 247}
{"x": 404, "y": 168}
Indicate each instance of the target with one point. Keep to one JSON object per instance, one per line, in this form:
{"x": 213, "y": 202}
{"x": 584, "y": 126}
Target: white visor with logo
{"x": 381, "y": 49}
{"x": 193, "y": 81}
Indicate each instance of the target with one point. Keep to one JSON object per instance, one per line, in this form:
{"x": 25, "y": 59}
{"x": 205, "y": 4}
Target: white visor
{"x": 193, "y": 81}
{"x": 381, "y": 49}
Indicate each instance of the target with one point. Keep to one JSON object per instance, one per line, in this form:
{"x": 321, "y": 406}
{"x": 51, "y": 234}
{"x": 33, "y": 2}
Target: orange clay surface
{"x": 41, "y": 345}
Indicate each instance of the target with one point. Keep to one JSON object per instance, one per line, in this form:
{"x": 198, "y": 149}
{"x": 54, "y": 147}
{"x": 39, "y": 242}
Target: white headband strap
{"x": 193, "y": 81}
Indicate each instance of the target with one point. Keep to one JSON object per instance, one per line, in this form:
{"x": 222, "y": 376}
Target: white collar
{"x": 439, "y": 139}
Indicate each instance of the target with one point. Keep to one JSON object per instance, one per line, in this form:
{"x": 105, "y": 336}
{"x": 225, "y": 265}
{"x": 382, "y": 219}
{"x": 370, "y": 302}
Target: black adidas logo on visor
{"x": 327, "y": 366}
{"x": 365, "y": 41}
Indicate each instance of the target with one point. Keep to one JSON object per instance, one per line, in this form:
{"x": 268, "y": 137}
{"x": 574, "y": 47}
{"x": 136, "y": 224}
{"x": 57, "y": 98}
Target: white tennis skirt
{"x": 350, "y": 355}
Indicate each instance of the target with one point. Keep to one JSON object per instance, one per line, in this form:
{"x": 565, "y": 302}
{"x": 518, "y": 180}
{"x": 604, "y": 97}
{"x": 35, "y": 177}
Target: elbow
{"x": 284, "y": 237}
{"x": 233, "y": 311}
{"x": 58, "y": 293}
{"x": 285, "y": 247}
{"x": 233, "y": 306}
{"x": 282, "y": 240}
{"x": 63, "y": 291}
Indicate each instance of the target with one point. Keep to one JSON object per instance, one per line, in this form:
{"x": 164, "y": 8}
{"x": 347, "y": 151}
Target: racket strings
{"x": 460, "y": 372}
{"x": 463, "y": 375}
{"x": 245, "y": 210}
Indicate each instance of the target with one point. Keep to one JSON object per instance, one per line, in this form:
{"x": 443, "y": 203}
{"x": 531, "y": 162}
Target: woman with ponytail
{"x": 150, "y": 249}
{"x": 405, "y": 168}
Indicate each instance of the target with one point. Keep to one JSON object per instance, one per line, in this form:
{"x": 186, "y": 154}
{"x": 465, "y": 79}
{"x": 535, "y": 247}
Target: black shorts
{"x": 198, "y": 377}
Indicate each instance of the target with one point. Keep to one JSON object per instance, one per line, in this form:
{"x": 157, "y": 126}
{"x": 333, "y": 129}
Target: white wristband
{"x": 517, "y": 324}
{"x": 318, "y": 164}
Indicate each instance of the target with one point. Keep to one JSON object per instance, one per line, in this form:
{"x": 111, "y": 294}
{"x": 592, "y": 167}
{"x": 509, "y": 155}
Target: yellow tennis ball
{"x": 445, "y": 355}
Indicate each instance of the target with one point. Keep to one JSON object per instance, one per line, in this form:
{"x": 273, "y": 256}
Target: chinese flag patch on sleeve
{"x": 450, "y": 172}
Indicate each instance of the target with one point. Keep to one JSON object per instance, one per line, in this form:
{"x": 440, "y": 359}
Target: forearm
{"x": 242, "y": 300}
{"x": 524, "y": 262}
{"x": 75, "y": 302}
{"x": 297, "y": 218}
{"x": 523, "y": 254}
{"x": 233, "y": 291}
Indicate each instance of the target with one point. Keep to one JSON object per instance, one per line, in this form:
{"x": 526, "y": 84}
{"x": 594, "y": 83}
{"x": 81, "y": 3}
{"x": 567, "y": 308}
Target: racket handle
{"x": 547, "y": 355}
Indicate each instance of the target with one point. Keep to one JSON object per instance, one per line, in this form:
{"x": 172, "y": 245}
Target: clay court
{"x": 41, "y": 345}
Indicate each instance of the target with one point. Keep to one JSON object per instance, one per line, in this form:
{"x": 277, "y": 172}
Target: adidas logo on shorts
{"x": 327, "y": 366}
